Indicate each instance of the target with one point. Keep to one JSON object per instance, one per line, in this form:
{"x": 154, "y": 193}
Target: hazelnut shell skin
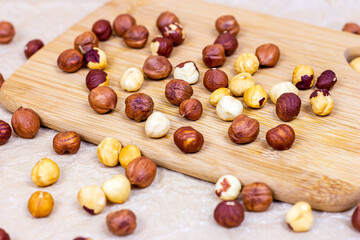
{"x": 102, "y": 99}
{"x": 136, "y": 36}
{"x": 268, "y": 55}
{"x": 5, "y": 132}
{"x": 191, "y": 109}
{"x": 141, "y": 172}
{"x": 66, "y": 142}
{"x": 355, "y": 218}
{"x": 70, "y": 60}
{"x": 157, "y": 67}
{"x": 214, "y": 79}
{"x": 122, "y": 222}
{"x": 7, "y": 32}
{"x": 183, "y": 135}
{"x": 166, "y": 18}
{"x": 122, "y": 23}
{"x": 351, "y": 28}
{"x": 281, "y": 137}
{"x": 228, "y": 41}
{"x": 25, "y": 122}
{"x": 178, "y": 90}
{"x": 175, "y": 32}
{"x": 102, "y": 29}
{"x": 214, "y": 55}
{"x": 229, "y": 213}
{"x": 32, "y": 47}
{"x": 227, "y": 23}
{"x": 257, "y": 197}
{"x": 243, "y": 129}
{"x": 165, "y": 46}
{"x": 288, "y": 106}
{"x": 139, "y": 106}
{"x": 4, "y": 235}
{"x": 86, "y": 41}
{"x": 95, "y": 77}
{"x": 326, "y": 80}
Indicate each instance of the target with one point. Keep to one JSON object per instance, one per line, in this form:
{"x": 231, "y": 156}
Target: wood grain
{"x": 323, "y": 165}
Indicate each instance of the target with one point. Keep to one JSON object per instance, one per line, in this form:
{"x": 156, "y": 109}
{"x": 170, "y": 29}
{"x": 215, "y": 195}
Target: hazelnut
{"x": 136, "y": 36}
{"x": 214, "y": 55}
{"x": 355, "y": 64}
{"x": 102, "y": 29}
{"x": 95, "y": 78}
{"x": 326, "y": 80}
{"x": 188, "y": 140}
{"x": 5, "y": 132}
{"x": 165, "y": 19}
{"x": 228, "y": 108}
{"x": 157, "y": 125}
{"x": 355, "y": 219}
{"x": 255, "y": 97}
{"x": 1, "y": 80}
{"x": 243, "y": 129}
{"x": 102, "y": 99}
{"x": 191, "y": 109}
{"x": 122, "y": 23}
{"x": 86, "y": 41}
{"x": 40, "y": 204}
{"x": 240, "y": 83}
{"x": 351, "y": 28}
{"x": 227, "y": 23}
{"x": 117, "y": 189}
{"x": 4, "y": 235}
{"x": 178, "y": 90}
{"x": 175, "y": 32}
{"x": 141, "y": 171}
{"x": 25, "y": 122}
{"x": 82, "y": 238}
{"x": 214, "y": 79}
{"x": 45, "y": 172}
{"x": 228, "y": 41}
{"x": 139, "y": 106}
{"x": 7, "y": 32}
{"x": 218, "y": 94}
{"x": 229, "y": 213}
{"x": 127, "y": 154}
{"x": 187, "y": 71}
{"x": 281, "y": 137}
{"x": 257, "y": 197}
{"x": 132, "y": 79}
{"x": 228, "y": 187}
{"x": 122, "y": 222}
{"x": 282, "y": 87}
{"x": 32, "y": 47}
{"x": 92, "y": 199}
{"x": 303, "y": 77}
{"x": 321, "y": 102}
{"x": 66, "y": 142}
{"x": 157, "y": 67}
{"x": 95, "y": 58}
{"x": 268, "y": 54}
{"x": 299, "y": 218}
{"x": 108, "y": 151}
{"x": 161, "y": 46}
{"x": 70, "y": 60}
{"x": 288, "y": 106}
{"x": 246, "y": 62}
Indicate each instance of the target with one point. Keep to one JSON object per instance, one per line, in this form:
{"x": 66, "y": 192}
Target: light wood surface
{"x": 322, "y": 167}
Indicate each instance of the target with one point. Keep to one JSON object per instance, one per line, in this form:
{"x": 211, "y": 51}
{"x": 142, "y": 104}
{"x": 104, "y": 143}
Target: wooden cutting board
{"x": 322, "y": 167}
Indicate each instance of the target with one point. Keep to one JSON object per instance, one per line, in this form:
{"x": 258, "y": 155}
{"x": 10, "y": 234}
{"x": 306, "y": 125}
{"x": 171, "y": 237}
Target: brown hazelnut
{"x": 228, "y": 41}
{"x": 157, "y": 67}
{"x": 122, "y": 222}
{"x": 351, "y": 28}
{"x": 7, "y": 32}
{"x": 227, "y": 23}
{"x": 86, "y": 41}
{"x": 96, "y": 78}
{"x": 229, "y": 213}
{"x": 66, "y": 142}
{"x": 139, "y": 106}
{"x": 281, "y": 137}
{"x": 102, "y": 29}
{"x": 82, "y": 238}
{"x": 161, "y": 46}
{"x": 187, "y": 71}
{"x": 70, "y": 60}
{"x": 141, "y": 171}
{"x": 175, "y": 32}
{"x": 165, "y": 19}
{"x": 355, "y": 219}
{"x": 326, "y": 80}
{"x": 214, "y": 55}
{"x": 4, "y": 235}
{"x": 32, "y": 47}
{"x": 25, "y": 122}
{"x": 122, "y": 23}
{"x": 244, "y": 129}
{"x": 5, "y": 132}
{"x": 268, "y": 54}
{"x": 1, "y": 80}
{"x": 136, "y": 36}
{"x": 288, "y": 106}
{"x": 214, "y": 79}
{"x": 257, "y": 197}
{"x": 177, "y": 91}
{"x": 191, "y": 109}
{"x": 40, "y": 204}
{"x": 102, "y": 99}
{"x": 188, "y": 140}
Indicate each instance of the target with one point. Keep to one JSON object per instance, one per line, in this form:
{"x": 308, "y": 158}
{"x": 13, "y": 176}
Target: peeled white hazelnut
{"x": 282, "y": 87}
{"x": 132, "y": 79}
{"x": 117, "y": 189}
{"x": 240, "y": 83}
{"x": 299, "y": 217}
{"x": 187, "y": 71}
{"x": 228, "y": 108}
{"x": 157, "y": 125}
{"x": 92, "y": 199}
{"x": 321, "y": 102}
{"x": 108, "y": 151}
{"x": 228, "y": 187}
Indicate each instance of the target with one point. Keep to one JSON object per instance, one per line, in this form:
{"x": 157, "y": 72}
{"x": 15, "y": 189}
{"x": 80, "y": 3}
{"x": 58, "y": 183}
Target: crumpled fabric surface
{"x": 175, "y": 206}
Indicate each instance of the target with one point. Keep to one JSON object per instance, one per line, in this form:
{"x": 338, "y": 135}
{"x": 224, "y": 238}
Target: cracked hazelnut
{"x": 136, "y": 36}
{"x": 255, "y": 97}
{"x": 281, "y": 137}
{"x": 70, "y": 60}
{"x": 299, "y": 218}
{"x": 157, "y": 67}
{"x": 229, "y": 214}
{"x": 240, "y": 83}
{"x": 228, "y": 41}
{"x": 25, "y": 122}
{"x": 132, "y": 79}
{"x": 92, "y": 199}
{"x": 288, "y": 106}
{"x": 122, "y": 222}
{"x": 227, "y": 23}
{"x": 187, "y": 71}
{"x": 5, "y": 132}
{"x": 175, "y": 32}
{"x": 7, "y": 32}
{"x": 355, "y": 219}
{"x": 321, "y": 102}
{"x": 4, "y": 235}
{"x": 1, "y": 80}
{"x": 108, "y": 151}
{"x": 218, "y": 94}
{"x": 102, "y": 99}
{"x": 157, "y": 125}
{"x": 191, "y": 109}
{"x": 214, "y": 79}
{"x": 247, "y": 62}
{"x": 282, "y": 87}
{"x": 257, "y": 197}
{"x": 228, "y": 108}
{"x": 95, "y": 78}
{"x": 139, "y": 106}
{"x": 228, "y": 187}
{"x": 214, "y": 55}
{"x": 326, "y": 80}
{"x": 161, "y": 46}
{"x": 165, "y": 19}
{"x": 32, "y": 47}
{"x": 243, "y": 129}
{"x": 268, "y": 54}
{"x": 141, "y": 172}
{"x": 178, "y": 90}
{"x": 117, "y": 189}
{"x": 40, "y": 204}
{"x": 351, "y": 28}
{"x": 127, "y": 154}
{"x": 188, "y": 140}
{"x": 122, "y": 23}
{"x": 86, "y": 41}
{"x": 95, "y": 58}
{"x": 45, "y": 172}
{"x": 66, "y": 142}
{"x": 303, "y": 77}
{"x": 102, "y": 29}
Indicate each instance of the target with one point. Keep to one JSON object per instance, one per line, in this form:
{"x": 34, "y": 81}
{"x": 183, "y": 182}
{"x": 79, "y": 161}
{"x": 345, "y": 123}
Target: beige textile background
{"x": 175, "y": 206}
